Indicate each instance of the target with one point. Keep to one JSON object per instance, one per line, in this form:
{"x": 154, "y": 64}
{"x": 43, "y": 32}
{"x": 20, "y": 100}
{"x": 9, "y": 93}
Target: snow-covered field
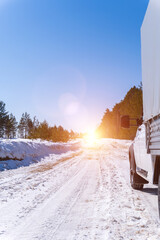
{"x": 80, "y": 193}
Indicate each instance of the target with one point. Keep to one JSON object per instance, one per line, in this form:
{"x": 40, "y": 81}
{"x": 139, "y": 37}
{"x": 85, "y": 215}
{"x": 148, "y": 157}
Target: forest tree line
{"x": 131, "y": 105}
{"x": 30, "y": 128}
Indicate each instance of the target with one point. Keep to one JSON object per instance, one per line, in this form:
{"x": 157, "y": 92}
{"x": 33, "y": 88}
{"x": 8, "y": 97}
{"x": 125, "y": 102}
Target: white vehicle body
{"x": 144, "y": 153}
{"x": 150, "y": 53}
{"x": 144, "y": 161}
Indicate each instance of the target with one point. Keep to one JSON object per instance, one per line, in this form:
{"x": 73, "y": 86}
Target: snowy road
{"x": 84, "y": 195}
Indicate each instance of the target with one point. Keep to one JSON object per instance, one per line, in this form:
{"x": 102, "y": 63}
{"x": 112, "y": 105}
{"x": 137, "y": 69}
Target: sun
{"x": 91, "y": 137}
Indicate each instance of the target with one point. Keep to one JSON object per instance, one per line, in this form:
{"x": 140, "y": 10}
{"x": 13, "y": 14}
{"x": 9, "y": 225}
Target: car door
{"x": 142, "y": 158}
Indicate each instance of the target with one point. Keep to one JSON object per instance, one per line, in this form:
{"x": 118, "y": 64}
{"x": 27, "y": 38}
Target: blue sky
{"x": 66, "y": 61}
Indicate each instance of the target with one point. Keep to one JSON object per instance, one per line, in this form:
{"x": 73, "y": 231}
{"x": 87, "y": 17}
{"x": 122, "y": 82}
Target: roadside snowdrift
{"x": 23, "y": 152}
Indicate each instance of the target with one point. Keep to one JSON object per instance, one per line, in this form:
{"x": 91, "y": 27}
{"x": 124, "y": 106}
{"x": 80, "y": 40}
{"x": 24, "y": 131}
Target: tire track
{"x": 46, "y": 226}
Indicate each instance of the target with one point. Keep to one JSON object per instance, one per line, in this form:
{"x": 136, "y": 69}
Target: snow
{"x": 23, "y": 152}
{"x": 79, "y": 194}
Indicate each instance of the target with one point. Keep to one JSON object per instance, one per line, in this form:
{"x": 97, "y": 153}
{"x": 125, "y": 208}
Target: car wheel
{"x": 134, "y": 184}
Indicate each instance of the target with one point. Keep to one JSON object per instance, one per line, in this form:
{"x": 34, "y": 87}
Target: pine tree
{"x": 54, "y": 134}
{"x": 63, "y": 135}
{"x": 131, "y": 105}
{"x": 44, "y": 131}
{"x": 25, "y": 125}
{"x": 11, "y": 126}
{"x": 21, "y": 127}
{"x": 33, "y": 133}
{"x": 3, "y": 118}
{"x": 72, "y": 135}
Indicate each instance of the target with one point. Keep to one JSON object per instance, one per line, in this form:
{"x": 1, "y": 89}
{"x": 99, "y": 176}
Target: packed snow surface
{"x": 82, "y": 194}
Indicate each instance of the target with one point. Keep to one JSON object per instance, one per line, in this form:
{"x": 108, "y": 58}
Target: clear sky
{"x": 66, "y": 61}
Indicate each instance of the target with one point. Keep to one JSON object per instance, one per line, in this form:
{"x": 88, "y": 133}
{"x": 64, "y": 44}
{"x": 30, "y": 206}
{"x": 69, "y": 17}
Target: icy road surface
{"x": 84, "y": 195}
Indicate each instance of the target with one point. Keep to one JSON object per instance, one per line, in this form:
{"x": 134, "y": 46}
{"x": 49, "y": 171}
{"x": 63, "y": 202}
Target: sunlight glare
{"x": 91, "y": 137}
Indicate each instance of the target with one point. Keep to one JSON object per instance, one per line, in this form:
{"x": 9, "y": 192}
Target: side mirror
{"x": 125, "y": 121}
{"x": 139, "y": 121}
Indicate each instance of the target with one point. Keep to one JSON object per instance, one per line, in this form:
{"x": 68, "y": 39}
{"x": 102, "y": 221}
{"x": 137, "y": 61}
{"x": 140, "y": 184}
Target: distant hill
{"x": 131, "y": 105}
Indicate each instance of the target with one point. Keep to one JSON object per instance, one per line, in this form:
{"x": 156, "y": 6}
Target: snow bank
{"x": 22, "y": 152}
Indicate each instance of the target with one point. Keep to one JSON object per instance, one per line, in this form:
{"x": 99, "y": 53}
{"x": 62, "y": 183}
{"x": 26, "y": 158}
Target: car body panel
{"x": 144, "y": 161}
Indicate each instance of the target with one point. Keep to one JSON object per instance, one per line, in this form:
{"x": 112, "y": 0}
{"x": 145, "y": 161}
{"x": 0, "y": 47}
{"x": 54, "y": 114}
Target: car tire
{"x": 134, "y": 184}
